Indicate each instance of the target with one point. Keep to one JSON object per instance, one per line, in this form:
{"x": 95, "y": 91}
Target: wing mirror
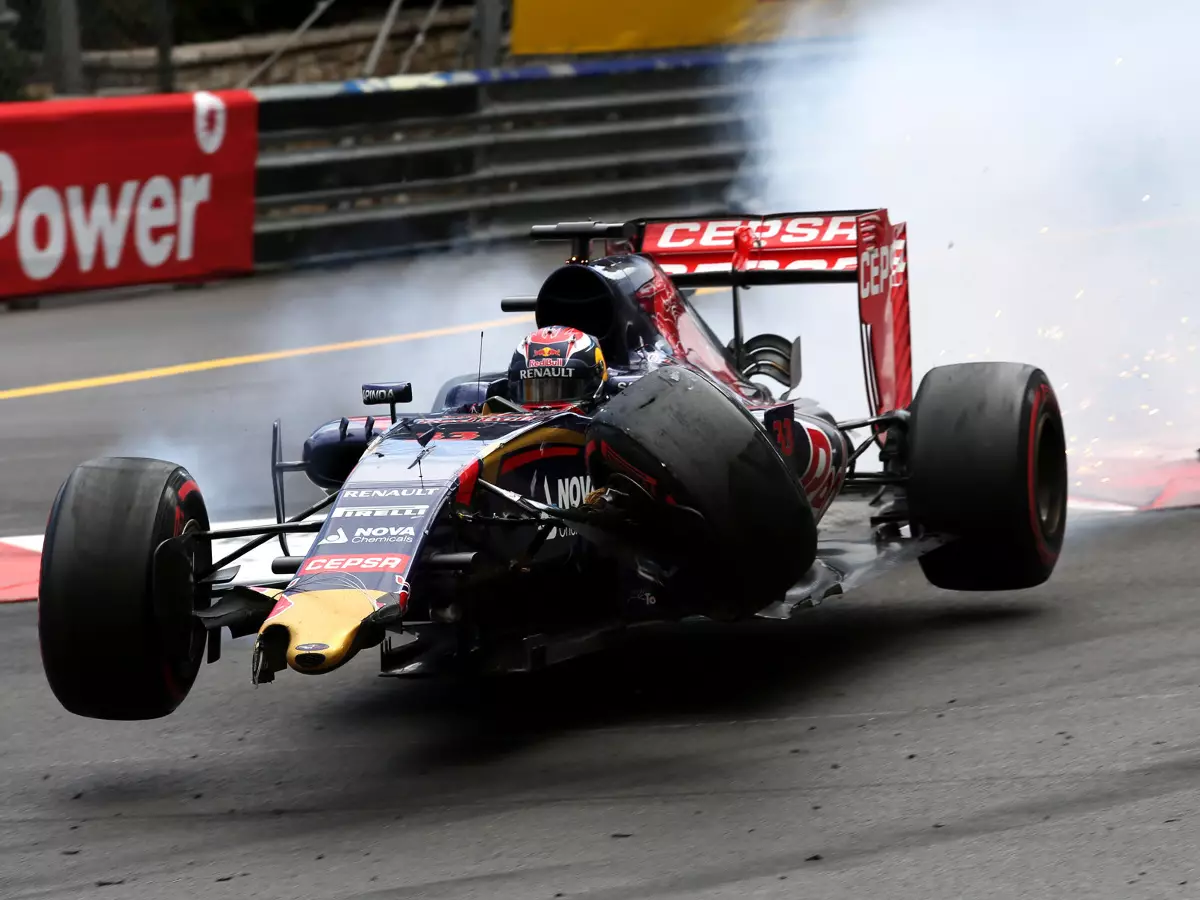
{"x": 389, "y": 392}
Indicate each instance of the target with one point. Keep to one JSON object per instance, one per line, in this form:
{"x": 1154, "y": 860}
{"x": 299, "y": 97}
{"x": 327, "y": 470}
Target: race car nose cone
{"x": 323, "y": 626}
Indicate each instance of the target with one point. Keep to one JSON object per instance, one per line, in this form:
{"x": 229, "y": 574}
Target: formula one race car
{"x": 626, "y": 469}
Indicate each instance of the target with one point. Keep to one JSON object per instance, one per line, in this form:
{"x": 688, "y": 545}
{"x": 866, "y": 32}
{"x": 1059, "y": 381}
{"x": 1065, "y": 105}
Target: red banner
{"x": 105, "y": 192}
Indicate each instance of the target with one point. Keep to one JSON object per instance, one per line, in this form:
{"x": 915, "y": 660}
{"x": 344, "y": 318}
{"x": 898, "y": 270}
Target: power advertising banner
{"x": 557, "y": 27}
{"x": 106, "y": 192}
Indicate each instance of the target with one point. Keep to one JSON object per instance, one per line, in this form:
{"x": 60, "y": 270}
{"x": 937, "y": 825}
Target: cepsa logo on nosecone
{"x": 115, "y": 191}
{"x": 397, "y": 563}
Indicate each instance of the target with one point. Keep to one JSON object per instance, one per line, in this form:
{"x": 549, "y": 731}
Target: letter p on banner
{"x": 117, "y": 191}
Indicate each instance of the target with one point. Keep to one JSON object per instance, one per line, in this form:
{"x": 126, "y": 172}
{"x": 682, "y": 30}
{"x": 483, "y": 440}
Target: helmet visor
{"x": 534, "y": 391}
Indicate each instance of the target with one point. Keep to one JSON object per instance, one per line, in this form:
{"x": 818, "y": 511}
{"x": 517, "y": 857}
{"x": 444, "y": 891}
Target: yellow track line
{"x": 226, "y": 362}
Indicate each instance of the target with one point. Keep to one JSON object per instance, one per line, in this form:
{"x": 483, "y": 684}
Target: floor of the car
{"x": 847, "y": 519}
{"x": 847, "y": 556}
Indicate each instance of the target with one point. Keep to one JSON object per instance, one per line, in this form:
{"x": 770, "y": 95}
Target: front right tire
{"x": 686, "y": 442}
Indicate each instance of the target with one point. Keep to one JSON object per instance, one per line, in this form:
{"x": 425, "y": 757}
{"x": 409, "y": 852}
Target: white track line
{"x": 255, "y": 565}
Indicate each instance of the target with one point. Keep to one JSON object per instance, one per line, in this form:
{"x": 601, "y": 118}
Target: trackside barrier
{"x": 424, "y": 161}
{"x": 97, "y": 193}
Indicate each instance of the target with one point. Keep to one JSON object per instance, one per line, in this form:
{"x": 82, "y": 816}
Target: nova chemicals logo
{"x": 570, "y": 493}
{"x": 399, "y": 534}
{"x": 339, "y": 538}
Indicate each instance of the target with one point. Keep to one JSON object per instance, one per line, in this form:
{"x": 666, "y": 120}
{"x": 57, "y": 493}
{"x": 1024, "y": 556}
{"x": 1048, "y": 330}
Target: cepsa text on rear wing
{"x": 859, "y": 247}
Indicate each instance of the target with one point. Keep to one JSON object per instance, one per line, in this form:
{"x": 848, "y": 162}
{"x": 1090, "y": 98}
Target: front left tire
{"x": 118, "y": 638}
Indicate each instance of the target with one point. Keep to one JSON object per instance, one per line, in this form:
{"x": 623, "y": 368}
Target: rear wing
{"x": 701, "y": 252}
{"x": 859, "y": 247}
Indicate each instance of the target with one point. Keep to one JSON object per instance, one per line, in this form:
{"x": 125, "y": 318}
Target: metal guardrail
{"x": 412, "y": 163}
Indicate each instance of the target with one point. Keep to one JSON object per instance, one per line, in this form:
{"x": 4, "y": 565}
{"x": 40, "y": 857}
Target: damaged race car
{"x": 626, "y": 453}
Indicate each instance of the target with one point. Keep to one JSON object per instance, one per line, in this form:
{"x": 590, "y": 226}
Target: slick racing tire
{"x": 691, "y": 444}
{"x": 987, "y": 465}
{"x": 118, "y": 638}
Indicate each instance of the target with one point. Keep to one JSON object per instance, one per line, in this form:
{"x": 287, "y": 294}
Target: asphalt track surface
{"x": 898, "y": 742}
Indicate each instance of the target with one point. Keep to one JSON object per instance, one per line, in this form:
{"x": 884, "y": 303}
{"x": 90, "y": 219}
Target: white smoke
{"x": 218, "y": 423}
{"x": 1043, "y": 154}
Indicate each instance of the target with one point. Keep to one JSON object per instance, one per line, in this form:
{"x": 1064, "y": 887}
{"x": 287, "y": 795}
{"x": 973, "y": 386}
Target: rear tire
{"x": 114, "y": 647}
{"x": 689, "y": 443}
{"x": 987, "y": 463}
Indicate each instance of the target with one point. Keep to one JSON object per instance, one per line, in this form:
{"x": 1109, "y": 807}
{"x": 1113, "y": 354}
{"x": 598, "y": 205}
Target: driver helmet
{"x": 556, "y": 367}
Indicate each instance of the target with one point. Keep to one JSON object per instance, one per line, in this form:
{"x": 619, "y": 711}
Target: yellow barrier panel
{"x": 561, "y": 27}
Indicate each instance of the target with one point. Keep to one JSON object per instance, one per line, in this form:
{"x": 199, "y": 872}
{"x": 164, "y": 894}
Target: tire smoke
{"x": 218, "y": 424}
{"x": 1042, "y": 156}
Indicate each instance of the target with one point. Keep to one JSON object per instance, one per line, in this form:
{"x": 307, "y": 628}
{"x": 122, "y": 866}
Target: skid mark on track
{"x": 878, "y": 713}
{"x": 470, "y": 798}
{"x": 230, "y": 753}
